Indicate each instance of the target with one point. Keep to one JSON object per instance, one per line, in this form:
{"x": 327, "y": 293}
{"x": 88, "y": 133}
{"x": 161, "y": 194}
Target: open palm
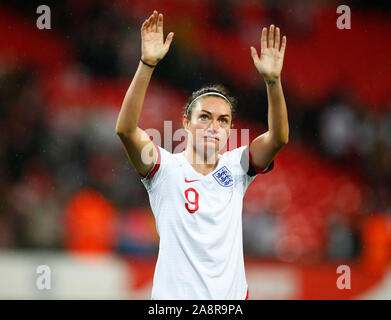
{"x": 153, "y": 48}
{"x": 272, "y": 56}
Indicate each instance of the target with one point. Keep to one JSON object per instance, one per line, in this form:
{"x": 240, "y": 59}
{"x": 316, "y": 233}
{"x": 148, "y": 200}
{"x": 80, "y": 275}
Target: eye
{"x": 204, "y": 116}
{"x": 224, "y": 120}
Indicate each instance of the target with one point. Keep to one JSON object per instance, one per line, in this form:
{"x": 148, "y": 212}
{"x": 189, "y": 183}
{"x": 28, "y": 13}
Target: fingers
{"x": 277, "y": 39}
{"x": 151, "y": 24}
{"x": 155, "y": 21}
{"x": 263, "y": 39}
{"x": 168, "y": 41}
{"x": 283, "y": 45}
{"x": 254, "y": 53}
{"x": 160, "y": 23}
{"x": 273, "y": 40}
{"x": 147, "y": 24}
{"x": 144, "y": 26}
{"x": 271, "y": 36}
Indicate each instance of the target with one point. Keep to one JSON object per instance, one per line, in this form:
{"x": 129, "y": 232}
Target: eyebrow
{"x": 223, "y": 115}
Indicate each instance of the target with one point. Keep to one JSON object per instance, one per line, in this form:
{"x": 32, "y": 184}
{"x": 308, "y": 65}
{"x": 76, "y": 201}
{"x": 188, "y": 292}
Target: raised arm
{"x": 265, "y": 147}
{"x": 134, "y": 139}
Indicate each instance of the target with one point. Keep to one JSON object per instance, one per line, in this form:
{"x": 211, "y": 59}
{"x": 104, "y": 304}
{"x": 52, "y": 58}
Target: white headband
{"x": 210, "y": 93}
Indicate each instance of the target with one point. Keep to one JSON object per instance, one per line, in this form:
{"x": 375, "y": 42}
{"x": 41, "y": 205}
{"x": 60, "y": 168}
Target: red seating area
{"x": 307, "y": 69}
{"x": 22, "y": 43}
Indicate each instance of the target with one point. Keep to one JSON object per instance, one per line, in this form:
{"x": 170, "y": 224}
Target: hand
{"x": 152, "y": 48}
{"x": 272, "y": 57}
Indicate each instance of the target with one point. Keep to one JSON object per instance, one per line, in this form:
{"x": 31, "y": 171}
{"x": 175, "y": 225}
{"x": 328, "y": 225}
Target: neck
{"x": 204, "y": 159}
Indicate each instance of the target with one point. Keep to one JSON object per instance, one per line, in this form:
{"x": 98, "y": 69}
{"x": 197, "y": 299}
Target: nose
{"x": 215, "y": 125}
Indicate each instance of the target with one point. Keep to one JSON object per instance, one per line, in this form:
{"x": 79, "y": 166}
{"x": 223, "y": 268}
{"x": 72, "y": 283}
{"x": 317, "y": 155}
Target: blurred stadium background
{"x": 69, "y": 198}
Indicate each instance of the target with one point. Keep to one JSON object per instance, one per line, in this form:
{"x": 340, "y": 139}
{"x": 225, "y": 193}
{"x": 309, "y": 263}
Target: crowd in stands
{"x": 47, "y": 155}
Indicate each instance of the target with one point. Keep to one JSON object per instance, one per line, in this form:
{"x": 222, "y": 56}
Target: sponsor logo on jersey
{"x": 190, "y": 180}
{"x": 224, "y": 177}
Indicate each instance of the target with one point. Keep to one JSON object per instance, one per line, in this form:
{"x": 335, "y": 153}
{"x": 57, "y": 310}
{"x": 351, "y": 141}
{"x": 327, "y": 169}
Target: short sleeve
{"x": 159, "y": 170}
{"x": 248, "y": 169}
{"x": 248, "y": 166}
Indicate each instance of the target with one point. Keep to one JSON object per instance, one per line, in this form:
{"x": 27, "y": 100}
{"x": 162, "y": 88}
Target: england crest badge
{"x": 224, "y": 177}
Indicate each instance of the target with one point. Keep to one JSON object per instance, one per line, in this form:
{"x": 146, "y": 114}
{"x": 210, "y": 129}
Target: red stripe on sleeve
{"x": 270, "y": 167}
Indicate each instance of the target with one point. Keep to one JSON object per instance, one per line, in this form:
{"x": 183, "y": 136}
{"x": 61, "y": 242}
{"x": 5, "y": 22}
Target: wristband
{"x": 147, "y": 64}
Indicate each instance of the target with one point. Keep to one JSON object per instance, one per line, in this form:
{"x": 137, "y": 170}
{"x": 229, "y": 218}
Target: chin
{"x": 210, "y": 147}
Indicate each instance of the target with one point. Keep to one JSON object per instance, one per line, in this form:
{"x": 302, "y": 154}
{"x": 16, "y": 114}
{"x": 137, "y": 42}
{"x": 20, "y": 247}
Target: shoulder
{"x": 165, "y": 164}
{"x": 166, "y": 156}
{"x": 236, "y": 153}
{"x": 168, "y": 160}
{"x": 241, "y": 156}
{"x": 234, "y": 159}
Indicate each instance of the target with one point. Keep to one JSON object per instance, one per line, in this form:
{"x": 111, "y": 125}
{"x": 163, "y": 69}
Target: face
{"x": 210, "y": 124}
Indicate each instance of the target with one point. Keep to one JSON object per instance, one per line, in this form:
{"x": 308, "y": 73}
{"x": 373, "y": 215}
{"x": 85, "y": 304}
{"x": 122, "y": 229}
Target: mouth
{"x": 211, "y": 138}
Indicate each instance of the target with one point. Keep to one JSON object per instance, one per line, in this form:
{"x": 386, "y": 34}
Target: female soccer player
{"x": 197, "y": 195}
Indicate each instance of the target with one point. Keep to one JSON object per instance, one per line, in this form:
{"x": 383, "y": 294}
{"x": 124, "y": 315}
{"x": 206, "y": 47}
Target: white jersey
{"x": 199, "y": 221}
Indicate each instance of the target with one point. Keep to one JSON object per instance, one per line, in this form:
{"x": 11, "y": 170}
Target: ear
{"x": 185, "y": 121}
{"x": 232, "y": 125}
